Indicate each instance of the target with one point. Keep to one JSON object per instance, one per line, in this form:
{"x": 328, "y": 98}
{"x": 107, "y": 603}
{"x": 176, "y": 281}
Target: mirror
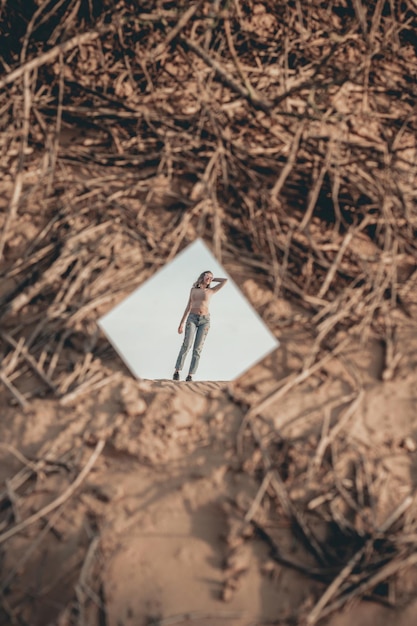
{"x": 143, "y": 328}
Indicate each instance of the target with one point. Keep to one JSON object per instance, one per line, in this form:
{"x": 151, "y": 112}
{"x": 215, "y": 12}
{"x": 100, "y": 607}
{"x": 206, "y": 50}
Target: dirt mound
{"x": 155, "y": 502}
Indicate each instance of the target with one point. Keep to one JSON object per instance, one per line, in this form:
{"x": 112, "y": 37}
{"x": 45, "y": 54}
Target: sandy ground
{"x": 154, "y": 534}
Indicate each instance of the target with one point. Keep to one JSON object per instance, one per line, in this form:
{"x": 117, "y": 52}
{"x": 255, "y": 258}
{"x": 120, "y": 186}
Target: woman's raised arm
{"x": 221, "y": 281}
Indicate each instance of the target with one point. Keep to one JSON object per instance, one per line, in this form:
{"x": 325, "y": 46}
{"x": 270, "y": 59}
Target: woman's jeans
{"x": 198, "y": 326}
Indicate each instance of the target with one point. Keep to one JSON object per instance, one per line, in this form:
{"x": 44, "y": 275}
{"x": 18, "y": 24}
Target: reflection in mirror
{"x": 143, "y": 328}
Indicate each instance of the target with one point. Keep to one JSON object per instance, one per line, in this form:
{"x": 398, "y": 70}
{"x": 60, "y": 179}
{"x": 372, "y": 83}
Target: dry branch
{"x": 18, "y": 185}
{"x": 251, "y": 96}
{"x": 276, "y": 189}
{"x": 19, "y": 456}
{"x": 81, "y": 586}
{"x": 68, "y": 493}
{"x": 332, "y": 589}
{"x": 392, "y": 568}
{"x": 14, "y": 391}
{"x": 30, "y": 360}
{"x": 48, "y": 56}
{"x": 181, "y": 24}
{"x": 288, "y": 507}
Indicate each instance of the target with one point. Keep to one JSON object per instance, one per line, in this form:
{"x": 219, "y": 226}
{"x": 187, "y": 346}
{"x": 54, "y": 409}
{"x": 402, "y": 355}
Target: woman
{"x": 198, "y": 321}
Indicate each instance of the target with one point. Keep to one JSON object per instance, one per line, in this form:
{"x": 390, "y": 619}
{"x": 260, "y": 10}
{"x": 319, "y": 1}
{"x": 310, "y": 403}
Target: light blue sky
{"x": 143, "y": 328}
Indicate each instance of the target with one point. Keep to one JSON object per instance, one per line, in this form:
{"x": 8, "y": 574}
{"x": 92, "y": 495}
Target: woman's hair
{"x": 199, "y": 280}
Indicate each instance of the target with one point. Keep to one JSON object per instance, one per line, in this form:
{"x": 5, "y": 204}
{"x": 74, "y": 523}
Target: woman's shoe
{"x": 176, "y": 376}
{"x": 189, "y": 378}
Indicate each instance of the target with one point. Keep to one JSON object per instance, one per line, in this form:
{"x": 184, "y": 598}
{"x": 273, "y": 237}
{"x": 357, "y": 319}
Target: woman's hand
{"x": 180, "y": 329}
{"x": 221, "y": 283}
